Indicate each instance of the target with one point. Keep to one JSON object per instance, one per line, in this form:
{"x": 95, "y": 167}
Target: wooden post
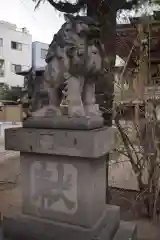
{"x": 142, "y": 75}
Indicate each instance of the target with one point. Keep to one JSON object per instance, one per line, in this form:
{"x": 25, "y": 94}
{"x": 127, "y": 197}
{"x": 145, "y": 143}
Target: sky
{"x": 42, "y": 23}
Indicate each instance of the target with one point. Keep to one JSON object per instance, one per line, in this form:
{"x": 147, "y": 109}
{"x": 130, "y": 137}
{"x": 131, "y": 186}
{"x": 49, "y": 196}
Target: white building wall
{"x": 38, "y": 60}
{"x": 9, "y": 32}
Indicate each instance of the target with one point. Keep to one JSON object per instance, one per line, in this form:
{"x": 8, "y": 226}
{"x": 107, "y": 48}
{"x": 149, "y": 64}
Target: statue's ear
{"x": 67, "y": 18}
{"x": 103, "y": 47}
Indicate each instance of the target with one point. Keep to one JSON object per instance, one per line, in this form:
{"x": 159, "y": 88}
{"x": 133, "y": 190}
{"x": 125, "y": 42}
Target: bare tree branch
{"x": 126, "y": 5}
{"x": 66, "y": 6}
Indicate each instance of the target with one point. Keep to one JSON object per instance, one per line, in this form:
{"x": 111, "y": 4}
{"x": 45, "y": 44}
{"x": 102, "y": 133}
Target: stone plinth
{"x": 73, "y": 143}
{"x": 63, "y": 185}
{"x": 67, "y": 181}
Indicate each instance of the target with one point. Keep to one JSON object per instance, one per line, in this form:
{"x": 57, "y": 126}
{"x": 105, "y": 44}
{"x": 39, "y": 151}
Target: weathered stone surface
{"x": 18, "y": 226}
{"x": 92, "y": 143}
{"x": 64, "y": 122}
{"x": 64, "y": 189}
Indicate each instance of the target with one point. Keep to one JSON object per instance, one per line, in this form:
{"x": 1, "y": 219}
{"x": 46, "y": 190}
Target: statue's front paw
{"x": 92, "y": 110}
{"x": 47, "y": 111}
{"x": 53, "y": 111}
{"x": 76, "y": 111}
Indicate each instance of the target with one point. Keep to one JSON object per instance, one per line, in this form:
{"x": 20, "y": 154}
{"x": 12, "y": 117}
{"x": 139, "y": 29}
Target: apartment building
{"x": 39, "y": 51}
{"x": 15, "y": 53}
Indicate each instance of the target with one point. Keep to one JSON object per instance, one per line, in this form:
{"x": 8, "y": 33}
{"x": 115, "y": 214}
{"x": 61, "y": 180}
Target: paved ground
{"x": 9, "y": 177}
{"x": 9, "y": 183}
{"x": 147, "y": 230}
{"x": 121, "y": 175}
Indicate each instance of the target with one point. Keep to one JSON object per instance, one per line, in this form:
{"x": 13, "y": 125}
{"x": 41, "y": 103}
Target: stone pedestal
{"x": 63, "y": 186}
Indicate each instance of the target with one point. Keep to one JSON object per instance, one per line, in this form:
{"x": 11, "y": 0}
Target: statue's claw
{"x": 53, "y": 111}
{"x": 76, "y": 111}
{"x": 47, "y": 111}
{"x": 92, "y": 110}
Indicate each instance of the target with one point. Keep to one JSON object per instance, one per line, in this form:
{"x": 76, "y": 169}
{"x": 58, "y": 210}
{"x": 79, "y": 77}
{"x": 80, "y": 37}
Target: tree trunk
{"x": 105, "y": 87}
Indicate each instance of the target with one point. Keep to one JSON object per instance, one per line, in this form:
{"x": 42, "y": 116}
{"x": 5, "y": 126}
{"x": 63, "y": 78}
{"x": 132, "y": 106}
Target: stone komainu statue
{"x": 74, "y": 65}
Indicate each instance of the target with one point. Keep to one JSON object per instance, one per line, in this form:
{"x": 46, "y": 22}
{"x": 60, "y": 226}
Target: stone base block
{"x": 126, "y": 231}
{"x": 78, "y": 143}
{"x": 18, "y": 226}
{"x": 64, "y": 122}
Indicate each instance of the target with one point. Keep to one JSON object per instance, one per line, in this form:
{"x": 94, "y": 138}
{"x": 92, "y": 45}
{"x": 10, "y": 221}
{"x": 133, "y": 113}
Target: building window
{"x": 43, "y": 53}
{"x": 16, "y": 68}
{"x": 1, "y": 42}
{"x": 16, "y": 46}
{"x": 1, "y": 68}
